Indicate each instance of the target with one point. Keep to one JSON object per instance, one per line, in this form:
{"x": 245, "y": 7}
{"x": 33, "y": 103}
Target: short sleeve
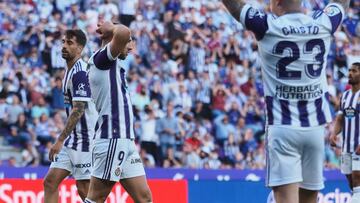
{"x": 81, "y": 87}
{"x": 103, "y": 58}
{"x": 254, "y": 20}
{"x": 336, "y": 14}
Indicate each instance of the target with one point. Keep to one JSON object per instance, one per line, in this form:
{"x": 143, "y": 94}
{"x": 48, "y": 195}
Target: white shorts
{"x": 78, "y": 163}
{"x": 115, "y": 159}
{"x": 295, "y": 155}
{"x": 349, "y": 162}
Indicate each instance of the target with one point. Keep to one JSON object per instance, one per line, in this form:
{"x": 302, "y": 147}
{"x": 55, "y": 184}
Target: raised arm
{"x": 234, "y": 7}
{"x": 121, "y": 37}
{"x": 344, "y": 3}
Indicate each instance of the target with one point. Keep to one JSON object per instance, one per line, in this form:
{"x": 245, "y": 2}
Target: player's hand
{"x": 55, "y": 149}
{"x": 333, "y": 140}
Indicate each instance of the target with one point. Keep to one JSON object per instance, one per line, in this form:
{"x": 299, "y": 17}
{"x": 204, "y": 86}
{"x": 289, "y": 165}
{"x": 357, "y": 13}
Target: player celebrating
{"x": 293, "y": 48}
{"x": 348, "y": 122}
{"x": 75, "y": 157}
{"x": 115, "y": 157}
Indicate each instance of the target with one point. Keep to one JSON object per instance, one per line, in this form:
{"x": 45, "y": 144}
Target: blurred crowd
{"x": 194, "y": 78}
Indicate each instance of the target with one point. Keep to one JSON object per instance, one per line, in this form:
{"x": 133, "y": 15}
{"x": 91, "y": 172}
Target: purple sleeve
{"x": 255, "y": 20}
{"x": 103, "y": 59}
{"x": 335, "y": 12}
{"x": 81, "y": 87}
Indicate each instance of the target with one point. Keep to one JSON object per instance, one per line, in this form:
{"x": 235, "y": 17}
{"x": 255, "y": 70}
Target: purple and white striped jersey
{"x": 293, "y": 49}
{"x": 350, "y": 109}
{"x": 111, "y": 96}
{"x": 76, "y": 88}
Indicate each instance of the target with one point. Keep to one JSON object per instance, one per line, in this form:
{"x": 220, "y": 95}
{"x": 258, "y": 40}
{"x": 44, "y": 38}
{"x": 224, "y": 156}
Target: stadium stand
{"x": 194, "y": 69}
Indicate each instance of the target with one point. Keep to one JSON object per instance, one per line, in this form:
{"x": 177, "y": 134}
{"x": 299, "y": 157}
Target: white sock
{"x": 356, "y": 195}
{"x": 87, "y": 200}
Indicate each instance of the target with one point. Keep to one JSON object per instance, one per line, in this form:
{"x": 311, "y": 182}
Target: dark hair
{"x": 357, "y": 64}
{"x": 79, "y": 35}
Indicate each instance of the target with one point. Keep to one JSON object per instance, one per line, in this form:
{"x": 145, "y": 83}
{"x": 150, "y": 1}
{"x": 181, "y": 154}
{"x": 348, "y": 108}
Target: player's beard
{"x": 353, "y": 81}
{"x": 122, "y": 56}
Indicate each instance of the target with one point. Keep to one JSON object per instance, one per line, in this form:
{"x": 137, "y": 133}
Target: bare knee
{"x": 143, "y": 197}
{"x": 82, "y": 187}
{"x": 50, "y": 184}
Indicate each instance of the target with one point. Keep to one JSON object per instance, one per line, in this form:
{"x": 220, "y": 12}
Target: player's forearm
{"x": 344, "y": 3}
{"x": 338, "y": 124}
{"x": 234, "y": 7}
{"x": 75, "y": 115}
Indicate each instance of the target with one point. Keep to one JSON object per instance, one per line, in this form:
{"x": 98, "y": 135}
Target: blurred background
{"x": 194, "y": 78}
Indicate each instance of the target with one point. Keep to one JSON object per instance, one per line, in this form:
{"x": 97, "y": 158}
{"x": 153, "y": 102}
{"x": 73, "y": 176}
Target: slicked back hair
{"x": 79, "y": 35}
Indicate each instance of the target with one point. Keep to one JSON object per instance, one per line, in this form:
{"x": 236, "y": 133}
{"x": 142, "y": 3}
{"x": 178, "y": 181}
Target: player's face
{"x": 127, "y": 49}
{"x": 104, "y": 29}
{"x": 354, "y": 75}
{"x": 70, "y": 48}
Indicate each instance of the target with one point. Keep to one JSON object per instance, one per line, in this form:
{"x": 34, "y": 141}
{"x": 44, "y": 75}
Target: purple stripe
{"x": 335, "y": 20}
{"x": 67, "y": 109}
{"x": 357, "y": 122}
{"x": 269, "y": 109}
{"x": 112, "y": 155}
{"x": 108, "y": 157}
{"x": 343, "y": 134}
{"x": 341, "y": 101}
{"x": 75, "y": 144}
{"x": 126, "y": 104}
{"x": 267, "y": 156}
{"x": 105, "y": 127}
{"x": 349, "y": 126}
{"x": 102, "y": 61}
{"x": 303, "y": 113}
{"x": 345, "y": 98}
{"x": 114, "y": 103}
{"x": 285, "y": 112}
{"x": 348, "y": 136}
{"x": 319, "y": 112}
{"x": 84, "y": 134}
{"x": 67, "y": 141}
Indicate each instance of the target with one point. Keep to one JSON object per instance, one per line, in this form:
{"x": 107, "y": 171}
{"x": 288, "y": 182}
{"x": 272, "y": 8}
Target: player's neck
{"x": 289, "y": 11}
{"x": 71, "y": 63}
{"x": 355, "y": 88}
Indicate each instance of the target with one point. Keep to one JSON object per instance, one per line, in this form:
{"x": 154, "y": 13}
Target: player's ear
{"x": 79, "y": 48}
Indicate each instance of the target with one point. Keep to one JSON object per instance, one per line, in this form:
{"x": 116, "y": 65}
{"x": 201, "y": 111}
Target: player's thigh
{"x": 312, "y": 158}
{"x": 283, "y": 157}
{"x": 108, "y": 158}
{"x": 137, "y": 188}
{"x": 81, "y": 164}
{"x": 54, "y": 177}
{"x": 286, "y": 193}
{"x": 133, "y": 177}
{"x": 59, "y": 169}
{"x": 99, "y": 189}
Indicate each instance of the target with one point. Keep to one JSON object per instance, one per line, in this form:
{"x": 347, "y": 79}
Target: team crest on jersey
{"x": 117, "y": 171}
{"x": 81, "y": 90}
{"x": 350, "y": 112}
{"x": 255, "y": 13}
{"x": 332, "y": 10}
